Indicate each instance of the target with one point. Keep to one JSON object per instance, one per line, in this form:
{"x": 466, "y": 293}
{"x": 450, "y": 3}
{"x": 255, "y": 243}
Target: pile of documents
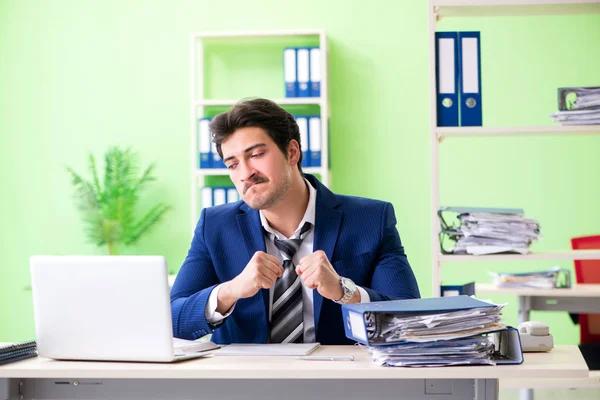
{"x": 553, "y": 278}
{"x": 578, "y": 106}
{"x": 422, "y": 339}
{"x": 480, "y": 231}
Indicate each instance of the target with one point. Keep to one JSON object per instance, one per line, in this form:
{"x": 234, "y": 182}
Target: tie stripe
{"x": 287, "y": 324}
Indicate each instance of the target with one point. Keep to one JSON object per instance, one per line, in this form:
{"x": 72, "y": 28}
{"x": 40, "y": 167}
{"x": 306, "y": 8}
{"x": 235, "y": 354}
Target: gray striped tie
{"x": 287, "y": 322}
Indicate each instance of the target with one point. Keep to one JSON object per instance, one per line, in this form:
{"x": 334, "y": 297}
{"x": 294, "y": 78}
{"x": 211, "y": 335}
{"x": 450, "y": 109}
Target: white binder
{"x": 303, "y": 72}
{"x": 206, "y": 197}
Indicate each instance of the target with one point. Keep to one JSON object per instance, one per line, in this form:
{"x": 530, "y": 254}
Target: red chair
{"x": 588, "y": 271}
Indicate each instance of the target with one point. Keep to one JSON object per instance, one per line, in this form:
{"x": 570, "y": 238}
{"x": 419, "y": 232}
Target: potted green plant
{"x": 109, "y": 209}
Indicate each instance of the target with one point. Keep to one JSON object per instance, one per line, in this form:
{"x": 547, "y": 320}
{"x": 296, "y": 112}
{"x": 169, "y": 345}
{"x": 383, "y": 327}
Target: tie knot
{"x": 289, "y": 247}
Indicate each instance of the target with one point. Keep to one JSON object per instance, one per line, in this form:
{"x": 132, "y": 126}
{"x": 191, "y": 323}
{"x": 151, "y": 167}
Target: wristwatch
{"x": 349, "y": 288}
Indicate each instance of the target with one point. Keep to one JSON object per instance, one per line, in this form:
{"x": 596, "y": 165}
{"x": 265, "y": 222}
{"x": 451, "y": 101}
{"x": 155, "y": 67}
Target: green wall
{"x": 80, "y": 76}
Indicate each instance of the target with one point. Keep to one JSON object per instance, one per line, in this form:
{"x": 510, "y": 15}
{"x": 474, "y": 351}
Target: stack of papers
{"x": 550, "y": 279}
{"x": 475, "y": 350}
{"x": 583, "y": 110}
{"x": 434, "y": 338}
{"x": 490, "y": 231}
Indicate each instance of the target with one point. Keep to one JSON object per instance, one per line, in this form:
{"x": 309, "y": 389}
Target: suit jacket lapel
{"x": 328, "y": 219}
{"x": 251, "y": 230}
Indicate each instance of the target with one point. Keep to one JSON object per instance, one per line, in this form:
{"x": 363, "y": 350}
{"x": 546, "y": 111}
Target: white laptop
{"x": 113, "y": 308}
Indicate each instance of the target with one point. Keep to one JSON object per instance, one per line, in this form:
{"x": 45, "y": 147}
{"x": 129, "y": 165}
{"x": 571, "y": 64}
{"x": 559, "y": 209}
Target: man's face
{"x": 260, "y": 171}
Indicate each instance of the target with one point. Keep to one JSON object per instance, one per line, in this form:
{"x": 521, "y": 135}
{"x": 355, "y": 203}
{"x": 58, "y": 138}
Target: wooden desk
{"x": 275, "y": 377}
{"x": 582, "y": 298}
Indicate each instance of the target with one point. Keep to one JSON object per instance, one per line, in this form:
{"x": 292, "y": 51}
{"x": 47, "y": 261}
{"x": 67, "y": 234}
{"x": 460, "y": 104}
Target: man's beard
{"x": 268, "y": 200}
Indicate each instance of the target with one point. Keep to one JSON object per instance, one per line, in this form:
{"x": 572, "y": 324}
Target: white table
{"x": 222, "y": 377}
{"x": 581, "y": 298}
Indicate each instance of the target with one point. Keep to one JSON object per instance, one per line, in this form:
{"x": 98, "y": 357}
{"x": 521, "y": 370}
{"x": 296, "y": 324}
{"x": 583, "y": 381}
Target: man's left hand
{"x": 316, "y": 272}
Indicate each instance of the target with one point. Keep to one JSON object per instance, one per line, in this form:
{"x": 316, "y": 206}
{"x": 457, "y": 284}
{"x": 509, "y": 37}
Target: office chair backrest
{"x": 588, "y": 271}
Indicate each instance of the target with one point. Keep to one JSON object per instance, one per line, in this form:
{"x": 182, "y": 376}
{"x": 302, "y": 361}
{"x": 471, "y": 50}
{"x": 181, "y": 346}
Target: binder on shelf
{"x": 468, "y": 289}
{"x": 470, "y": 72}
{"x": 315, "y": 139}
{"x": 206, "y": 197}
{"x": 303, "y": 71}
{"x": 304, "y": 142}
{"x": 204, "y": 143}
{"x": 315, "y": 72}
{"x": 232, "y": 195}
{"x": 219, "y": 196}
{"x": 216, "y": 158}
{"x": 446, "y": 75}
{"x": 290, "y": 72}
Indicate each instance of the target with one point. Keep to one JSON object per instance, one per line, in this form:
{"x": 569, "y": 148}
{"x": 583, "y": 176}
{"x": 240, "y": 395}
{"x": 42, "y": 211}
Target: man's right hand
{"x": 260, "y": 273}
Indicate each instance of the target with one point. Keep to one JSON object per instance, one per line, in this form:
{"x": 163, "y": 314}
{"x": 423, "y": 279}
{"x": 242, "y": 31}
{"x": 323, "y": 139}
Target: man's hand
{"x": 316, "y": 272}
{"x": 260, "y": 273}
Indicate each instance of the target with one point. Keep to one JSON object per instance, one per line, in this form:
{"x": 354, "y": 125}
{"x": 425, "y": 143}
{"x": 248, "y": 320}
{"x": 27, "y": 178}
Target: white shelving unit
{"x": 199, "y": 103}
{"x": 439, "y": 9}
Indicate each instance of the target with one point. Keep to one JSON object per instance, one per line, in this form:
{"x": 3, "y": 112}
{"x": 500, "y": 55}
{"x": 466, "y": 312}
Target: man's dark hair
{"x": 262, "y": 113}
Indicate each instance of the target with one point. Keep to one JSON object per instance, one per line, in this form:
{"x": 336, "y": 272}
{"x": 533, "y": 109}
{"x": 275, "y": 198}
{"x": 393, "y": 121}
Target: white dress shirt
{"x": 306, "y": 248}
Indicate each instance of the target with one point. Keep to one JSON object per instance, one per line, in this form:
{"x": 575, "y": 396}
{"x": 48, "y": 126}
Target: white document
{"x": 270, "y": 349}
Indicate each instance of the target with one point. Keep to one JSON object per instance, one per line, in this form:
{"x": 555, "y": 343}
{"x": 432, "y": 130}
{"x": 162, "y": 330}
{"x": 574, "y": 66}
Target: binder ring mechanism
{"x": 447, "y": 102}
{"x": 471, "y": 102}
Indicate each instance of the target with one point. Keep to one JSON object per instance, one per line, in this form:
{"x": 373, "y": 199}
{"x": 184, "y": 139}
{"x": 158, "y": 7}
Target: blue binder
{"x": 356, "y": 329}
{"x": 446, "y": 77}
{"x": 204, "y": 143}
{"x": 315, "y": 140}
{"x": 216, "y": 158}
{"x": 470, "y": 84}
{"x": 315, "y": 72}
{"x": 232, "y": 195}
{"x": 303, "y": 71}
{"x": 304, "y": 141}
{"x": 219, "y": 194}
{"x": 290, "y": 72}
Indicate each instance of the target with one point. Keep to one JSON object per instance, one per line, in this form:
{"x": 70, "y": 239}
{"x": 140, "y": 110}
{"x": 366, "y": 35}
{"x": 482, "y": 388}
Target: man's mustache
{"x": 254, "y": 180}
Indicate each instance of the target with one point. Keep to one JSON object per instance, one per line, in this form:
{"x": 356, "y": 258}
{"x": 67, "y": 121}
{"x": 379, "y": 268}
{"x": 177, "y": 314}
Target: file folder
{"x": 304, "y": 142}
{"x": 315, "y": 72}
{"x": 204, "y": 143}
{"x": 232, "y": 195}
{"x": 219, "y": 196}
{"x": 446, "y": 76}
{"x": 507, "y": 340}
{"x": 289, "y": 72}
{"x": 303, "y": 65}
{"x": 470, "y": 85}
{"x": 315, "y": 141}
{"x": 206, "y": 197}
{"x": 468, "y": 289}
{"x": 354, "y": 321}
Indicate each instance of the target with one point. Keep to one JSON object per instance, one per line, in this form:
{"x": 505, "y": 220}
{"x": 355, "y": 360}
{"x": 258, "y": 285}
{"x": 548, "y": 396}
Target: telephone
{"x": 535, "y": 336}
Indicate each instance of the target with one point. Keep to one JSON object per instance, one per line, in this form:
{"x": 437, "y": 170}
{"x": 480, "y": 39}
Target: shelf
{"x": 578, "y": 290}
{"x": 292, "y": 101}
{"x": 256, "y": 34}
{"x": 483, "y": 131}
{"x": 503, "y": 8}
{"x": 225, "y": 171}
{"x": 551, "y": 255}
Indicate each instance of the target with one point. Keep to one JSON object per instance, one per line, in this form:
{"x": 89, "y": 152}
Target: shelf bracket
{"x": 436, "y": 11}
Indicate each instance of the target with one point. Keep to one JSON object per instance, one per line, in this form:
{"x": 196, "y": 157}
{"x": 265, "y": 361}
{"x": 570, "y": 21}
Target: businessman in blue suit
{"x": 276, "y": 266}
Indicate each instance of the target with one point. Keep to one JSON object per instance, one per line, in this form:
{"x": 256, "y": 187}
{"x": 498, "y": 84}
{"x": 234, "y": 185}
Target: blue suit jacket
{"x": 358, "y": 236}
